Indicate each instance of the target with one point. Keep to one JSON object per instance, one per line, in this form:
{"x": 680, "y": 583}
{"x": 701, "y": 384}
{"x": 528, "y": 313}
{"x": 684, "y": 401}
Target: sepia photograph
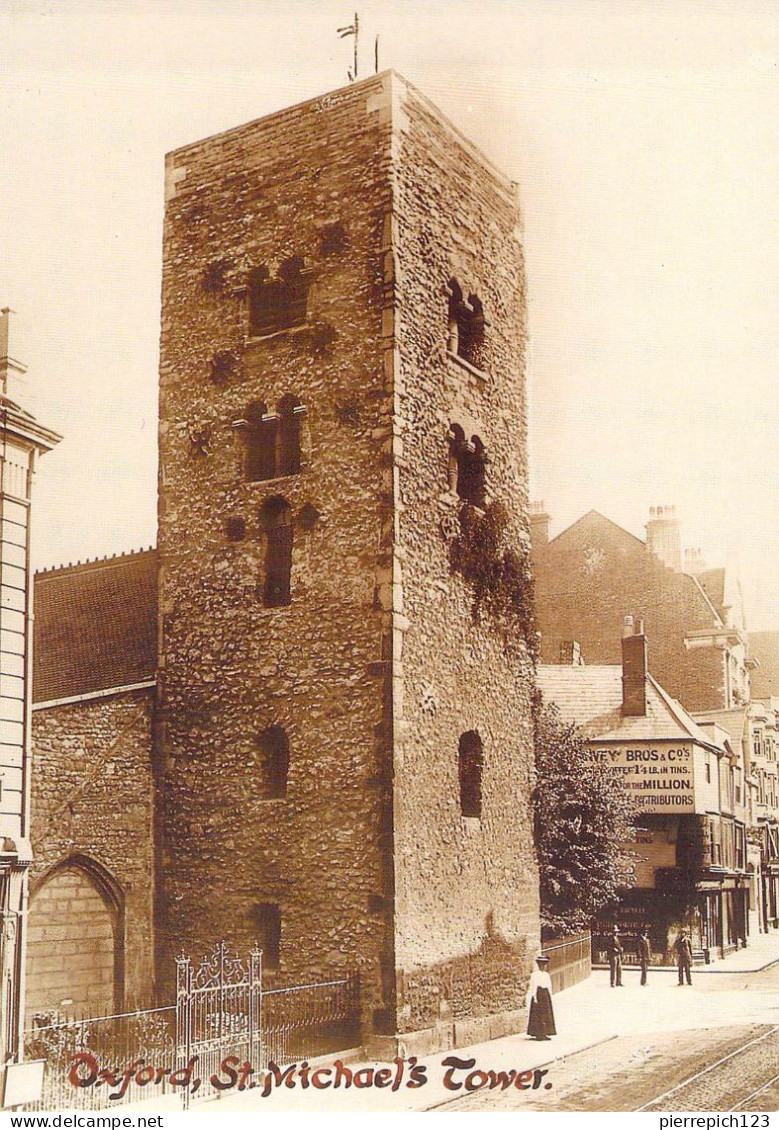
{"x": 389, "y": 559}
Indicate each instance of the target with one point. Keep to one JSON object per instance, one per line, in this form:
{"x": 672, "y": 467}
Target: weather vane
{"x": 354, "y": 29}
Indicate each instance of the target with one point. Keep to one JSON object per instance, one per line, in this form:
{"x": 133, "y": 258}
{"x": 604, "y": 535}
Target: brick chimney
{"x": 694, "y": 562}
{"x": 539, "y": 525}
{"x": 571, "y": 654}
{"x": 663, "y": 536}
{"x": 634, "y": 669}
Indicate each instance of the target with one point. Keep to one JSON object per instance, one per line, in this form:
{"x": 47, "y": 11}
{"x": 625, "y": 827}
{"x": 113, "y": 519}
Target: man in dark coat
{"x": 644, "y": 954}
{"x": 614, "y": 951}
{"x": 683, "y": 949}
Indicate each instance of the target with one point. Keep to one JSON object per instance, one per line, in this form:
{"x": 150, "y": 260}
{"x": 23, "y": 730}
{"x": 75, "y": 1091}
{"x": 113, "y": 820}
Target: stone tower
{"x": 344, "y": 749}
{"x": 22, "y": 441}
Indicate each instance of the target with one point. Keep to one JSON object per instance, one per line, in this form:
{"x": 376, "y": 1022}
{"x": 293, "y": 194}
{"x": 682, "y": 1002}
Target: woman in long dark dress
{"x": 540, "y": 1022}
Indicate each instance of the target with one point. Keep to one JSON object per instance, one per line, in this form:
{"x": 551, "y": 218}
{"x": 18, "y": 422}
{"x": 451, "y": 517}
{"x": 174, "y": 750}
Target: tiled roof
{"x": 591, "y": 698}
{"x": 95, "y": 626}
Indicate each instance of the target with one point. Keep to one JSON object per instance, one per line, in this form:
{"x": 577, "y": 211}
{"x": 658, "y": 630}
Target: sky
{"x": 645, "y": 141}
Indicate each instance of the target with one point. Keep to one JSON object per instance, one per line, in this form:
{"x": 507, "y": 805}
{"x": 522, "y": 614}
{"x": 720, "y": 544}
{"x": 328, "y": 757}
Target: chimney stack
{"x": 539, "y": 525}
{"x": 663, "y": 537}
{"x": 634, "y": 669}
{"x": 571, "y": 653}
{"x": 694, "y": 562}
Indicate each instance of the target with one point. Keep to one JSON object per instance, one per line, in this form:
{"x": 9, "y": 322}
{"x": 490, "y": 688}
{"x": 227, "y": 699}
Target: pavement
{"x": 587, "y": 1014}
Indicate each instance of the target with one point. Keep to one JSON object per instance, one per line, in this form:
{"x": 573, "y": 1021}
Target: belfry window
{"x": 467, "y": 467}
{"x": 277, "y": 302}
{"x": 288, "y": 437}
{"x": 466, "y": 325}
{"x": 470, "y": 761}
{"x": 261, "y": 428}
{"x": 276, "y": 525}
{"x": 273, "y": 439}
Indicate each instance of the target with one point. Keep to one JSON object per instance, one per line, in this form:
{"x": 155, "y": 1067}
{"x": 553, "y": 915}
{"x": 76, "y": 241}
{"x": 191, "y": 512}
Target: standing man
{"x": 644, "y": 953}
{"x": 683, "y": 949}
{"x": 614, "y": 950}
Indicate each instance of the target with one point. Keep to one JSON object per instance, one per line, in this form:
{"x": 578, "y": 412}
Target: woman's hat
{"x": 542, "y": 960}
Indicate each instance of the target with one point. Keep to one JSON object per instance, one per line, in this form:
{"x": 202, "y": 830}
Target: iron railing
{"x": 221, "y": 1011}
{"x": 110, "y": 1043}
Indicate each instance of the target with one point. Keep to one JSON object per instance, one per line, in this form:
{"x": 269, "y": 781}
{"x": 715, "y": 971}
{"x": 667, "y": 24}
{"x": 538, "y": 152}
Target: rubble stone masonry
{"x": 373, "y": 668}
{"x": 90, "y": 935}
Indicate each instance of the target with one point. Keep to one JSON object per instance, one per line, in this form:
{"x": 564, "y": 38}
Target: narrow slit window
{"x": 470, "y": 763}
{"x": 276, "y": 522}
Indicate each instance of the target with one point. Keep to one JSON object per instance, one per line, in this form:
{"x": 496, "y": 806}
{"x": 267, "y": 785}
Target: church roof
{"x": 95, "y": 626}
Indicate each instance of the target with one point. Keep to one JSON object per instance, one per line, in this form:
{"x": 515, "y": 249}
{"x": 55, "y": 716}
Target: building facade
{"x": 22, "y": 441}
{"x": 587, "y": 576}
{"x": 690, "y": 850}
{"x": 752, "y": 731}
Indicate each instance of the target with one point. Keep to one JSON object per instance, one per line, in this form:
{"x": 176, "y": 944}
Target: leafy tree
{"x": 582, "y": 817}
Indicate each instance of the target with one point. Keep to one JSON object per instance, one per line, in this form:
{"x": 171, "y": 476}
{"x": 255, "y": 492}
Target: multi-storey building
{"x": 587, "y": 576}
{"x": 752, "y": 730}
{"x": 690, "y": 851}
{"x": 22, "y": 441}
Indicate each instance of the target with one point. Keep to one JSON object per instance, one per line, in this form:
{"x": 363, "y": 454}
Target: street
{"x": 707, "y": 1068}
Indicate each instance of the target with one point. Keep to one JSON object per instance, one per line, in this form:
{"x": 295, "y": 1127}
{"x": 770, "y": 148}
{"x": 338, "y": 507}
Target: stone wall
{"x": 312, "y": 182}
{"x": 365, "y": 856}
{"x": 93, "y": 873}
{"x": 467, "y": 923}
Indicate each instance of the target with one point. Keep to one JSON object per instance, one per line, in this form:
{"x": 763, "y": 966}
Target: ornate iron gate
{"x": 218, "y": 1014}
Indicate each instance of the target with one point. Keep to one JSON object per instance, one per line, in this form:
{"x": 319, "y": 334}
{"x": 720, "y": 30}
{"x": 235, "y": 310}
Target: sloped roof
{"x": 593, "y": 519}
{"x": 591, "y": 698}
{"x": 712, "y": 581}
{"x": 95, "y": 626}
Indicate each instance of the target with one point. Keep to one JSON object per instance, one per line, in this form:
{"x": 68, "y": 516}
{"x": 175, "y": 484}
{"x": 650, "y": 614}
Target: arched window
{"x": 467, "y": 467}
{"x": 466, "y": 325}
{"x": 276, "y": 524}
{"x": 470, "y": 761}
{"x": 274, "y": 763}
{"x": 277, "y": 303}
{"x": 290, "y": 415}
{"x": 261, "y": 430}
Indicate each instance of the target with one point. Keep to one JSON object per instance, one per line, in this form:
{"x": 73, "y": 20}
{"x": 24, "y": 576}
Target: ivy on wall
{"x": 499, "y": 575}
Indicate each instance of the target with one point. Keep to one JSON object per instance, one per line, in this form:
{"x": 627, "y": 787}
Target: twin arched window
{"x": 277, "y": 302}
{"x": 466, "y": 325}
{"x": 467, "y": 467}
{"x": 273, "y": 439}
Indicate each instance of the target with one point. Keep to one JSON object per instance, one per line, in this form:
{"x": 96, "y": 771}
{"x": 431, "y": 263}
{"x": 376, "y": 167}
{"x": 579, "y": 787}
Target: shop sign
{"x": 659, "y": 776}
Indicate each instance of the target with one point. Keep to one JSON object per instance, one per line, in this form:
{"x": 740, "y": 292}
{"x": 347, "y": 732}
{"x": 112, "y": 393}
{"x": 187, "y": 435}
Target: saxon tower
{"x": 344, "y": 738}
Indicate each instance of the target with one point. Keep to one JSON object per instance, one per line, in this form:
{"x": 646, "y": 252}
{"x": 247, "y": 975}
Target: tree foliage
{"x": 583, "y": 816}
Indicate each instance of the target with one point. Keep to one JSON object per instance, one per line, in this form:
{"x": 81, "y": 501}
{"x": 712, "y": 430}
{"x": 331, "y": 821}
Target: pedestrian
{"x": 540, "y": 1021}
{"x": 644, "y": 953}
{"x": 683, "y": 949}
{"x": 614, "y": 951}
